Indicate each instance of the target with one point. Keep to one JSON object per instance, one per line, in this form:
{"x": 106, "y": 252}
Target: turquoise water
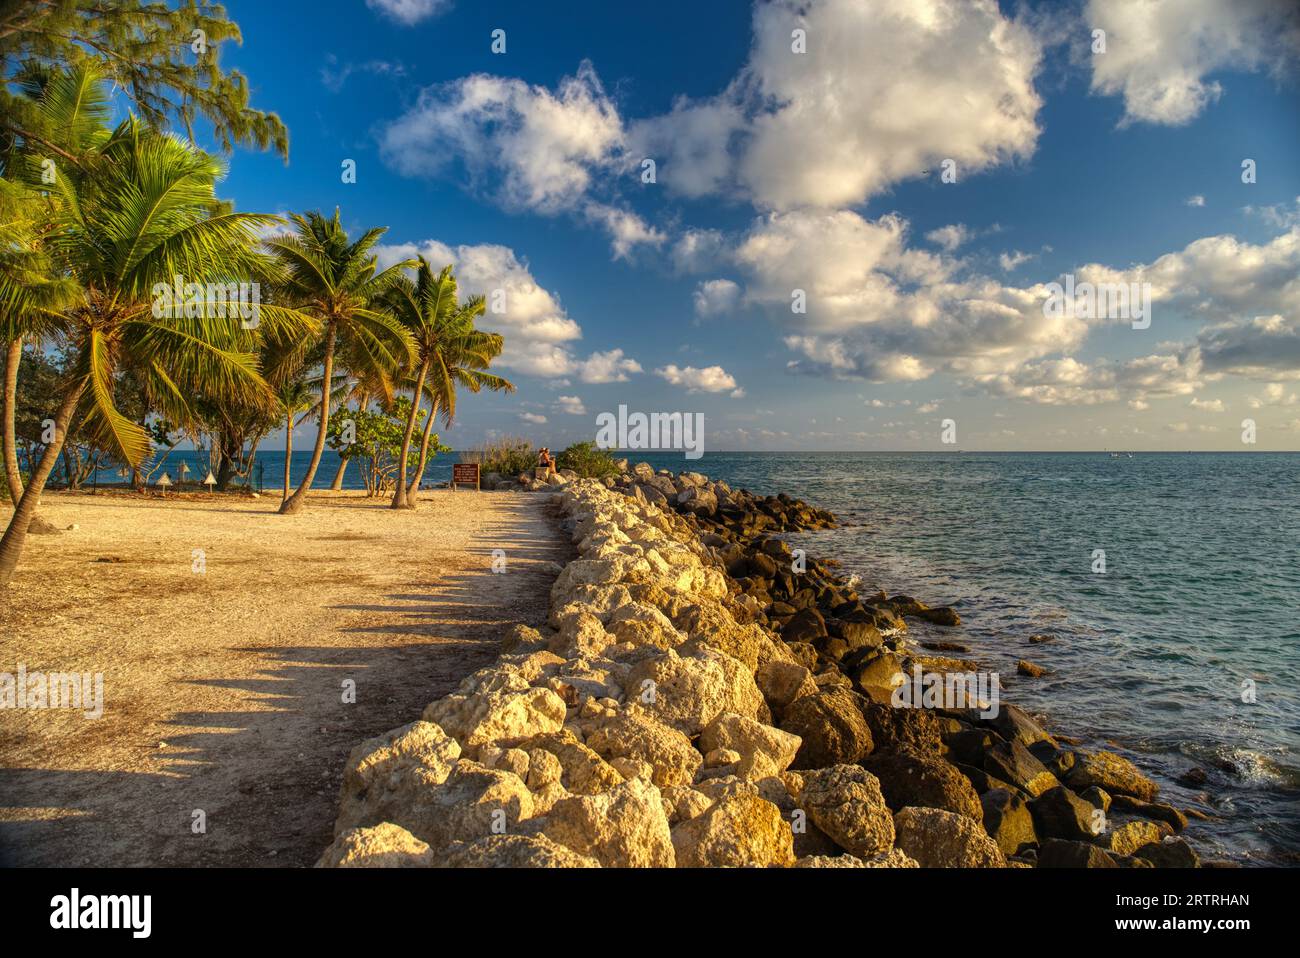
{"x": 1201, "y": 592}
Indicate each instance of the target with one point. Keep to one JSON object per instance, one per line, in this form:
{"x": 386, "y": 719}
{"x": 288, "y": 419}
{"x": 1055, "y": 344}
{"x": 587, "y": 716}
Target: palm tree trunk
{"x": 288, "y": 451}
{"x": 337, "y": 484}
{"x": 11, "y": 546}
{"x": 293, "y": 504}
{"x": 414, "y": 487}
{"x": 13, "y": 474}
{"x": 400, "y": 499}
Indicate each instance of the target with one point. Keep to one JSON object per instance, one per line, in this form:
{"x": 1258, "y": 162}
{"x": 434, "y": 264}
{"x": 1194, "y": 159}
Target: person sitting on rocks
{"x": 545, "y": 462}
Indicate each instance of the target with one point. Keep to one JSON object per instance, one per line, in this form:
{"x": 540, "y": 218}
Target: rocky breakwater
{"x": 702, "y": 698}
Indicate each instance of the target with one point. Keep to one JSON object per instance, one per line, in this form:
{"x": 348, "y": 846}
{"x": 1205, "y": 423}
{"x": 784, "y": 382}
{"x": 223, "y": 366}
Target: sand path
{"x": 223, "y": 689}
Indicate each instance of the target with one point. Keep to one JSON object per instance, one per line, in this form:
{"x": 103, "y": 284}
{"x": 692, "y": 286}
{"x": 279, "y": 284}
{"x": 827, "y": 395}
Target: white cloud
{"x": 690, "y": 145}
{"x": 607, "y": 367}
{"x": 409, "y": 12}
{"x": 949, "y": 237}
{"x": 1266, "y": 347}
{"x": 1196, "y": 200}
{"x": 626, "y": 229}
{"x": 544, "y": 146}
{"x": 1275, "y": 394}
{"x": 698, "y": 250}
{"x": 711, "y": 379}
{"x": 1160, "y": 52}
{"x": 1206, "y": 405}
{"x": 570, "y": 405}
{"x": 538, "y": 332}
{"x": 1062, "y": 382}
{"x": 1009, "y": 261}
{"x": 716, "y": 297}
{"x": 1280, "y": 215}
{"x": 532, "y": 417}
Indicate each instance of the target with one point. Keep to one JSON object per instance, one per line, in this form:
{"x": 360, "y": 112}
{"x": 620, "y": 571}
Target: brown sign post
{"x": 464, "y": 474}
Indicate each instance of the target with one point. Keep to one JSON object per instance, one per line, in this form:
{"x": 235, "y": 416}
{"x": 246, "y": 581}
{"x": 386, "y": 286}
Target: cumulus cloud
{"x": 1207, "y": 405}
{"x": 1266, "y": 347}
{"x": 570, "y": 405}
{"x": 409, "y": 12}
{"x": 1159, "y": 52}
{"x": 698, "y": 250}
{"x": 538, "y": 332}
{"x": 1069, "y": 381}
{"x": 716, "y": 297}
{"x": 885, "y": 90}
{"x": 1009, "y": 261}
{"x": 949, "y": 237}
{"x": 1196, "y": 200}
{"x": 626, "y": 229}
{"x": 1275, "y": 394}
{"x": 711, "y": 379}
{"x": 542, "y": 145}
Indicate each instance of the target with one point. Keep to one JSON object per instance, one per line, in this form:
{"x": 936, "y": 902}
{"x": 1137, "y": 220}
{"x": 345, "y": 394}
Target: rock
{"x": 907, "y": 779}
{"x": 719, "y": 757}
{"x": 1170, "y": 852}
{"x": 385, "y": 775}
{"x": 831, "y": 727}
{"x": 682, "y": 803}
{"x": 544, "y": 769}
{"x": 894, "y": 729}
{"x": 1013, "y": 763}
{"x": 807, "y": 625}
{"x": 1027, "y": 668}
{"x": 1057, "y": 853}
{"x": 940, "y": 839}
{"x": 688, "y": 692}
{"x": 1126, "y": 839}
{"x": 762, "y": 750}
{"x": 582, "y": 770}
{"x": 1040, "y": 639}
{"x": 1156, "y": 811}
{"x": 623, "y": 828}
{"x": 942, "y": 616}
{"x": 635, "y": 733}
{"x": 891, "y": 859}
{"x": 1008, "y": 821}
{"x": 498, "y": 716}
{"x": 517, "y": 851}
{"x": 859, "y": 635}
{"x": 1193, "y": 778}
{"x": 884, "y": 670}
{"x": 1114, "y": 773}
{"x": 737, "y": 831}
{"x": 1096, "y": 797}
{"x": 845, "y": 802}
{"x": 1059, "y": 813}
{"x": 782, "y": 683}
{"x": 382, "y": 846}
{"x": 1015, "y": 724}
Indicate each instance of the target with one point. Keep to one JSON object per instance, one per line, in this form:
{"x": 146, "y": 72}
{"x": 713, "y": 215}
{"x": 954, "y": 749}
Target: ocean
{"x": 1156, "y": 657}
{"x": 1184, "y": 652}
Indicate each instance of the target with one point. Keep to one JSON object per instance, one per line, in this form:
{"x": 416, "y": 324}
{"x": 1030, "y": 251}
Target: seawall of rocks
{"x": 705, "y": 696}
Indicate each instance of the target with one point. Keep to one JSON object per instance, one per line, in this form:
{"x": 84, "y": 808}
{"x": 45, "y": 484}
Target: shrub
{"x": 508, "y": 456}
{"x": 587, "y": 461}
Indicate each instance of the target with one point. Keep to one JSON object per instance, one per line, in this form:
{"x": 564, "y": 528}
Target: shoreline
{"x": 776, "y": 744}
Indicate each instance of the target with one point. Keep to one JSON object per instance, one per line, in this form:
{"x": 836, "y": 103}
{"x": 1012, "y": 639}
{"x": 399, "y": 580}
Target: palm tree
{"x": 293, "y": 397}
{"x": 69, "y": 108}
{"x": 337, "y": 281}
{"x": 146, "y": 212}
{"x": 458, "y": 355}
{"x": 425, "y": 307}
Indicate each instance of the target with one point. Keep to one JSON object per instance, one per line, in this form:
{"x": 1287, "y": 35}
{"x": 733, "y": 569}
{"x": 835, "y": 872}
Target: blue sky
{"x": 821, "y": 170}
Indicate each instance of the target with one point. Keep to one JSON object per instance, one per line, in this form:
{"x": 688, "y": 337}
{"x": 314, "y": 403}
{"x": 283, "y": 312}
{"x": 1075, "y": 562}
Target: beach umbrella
{"x": 210, "y": 481}
{"x": 163, "y": 482}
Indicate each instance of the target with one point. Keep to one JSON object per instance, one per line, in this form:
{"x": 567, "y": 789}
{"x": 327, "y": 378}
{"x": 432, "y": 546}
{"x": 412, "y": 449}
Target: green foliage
{"x": 588, "y": 461}
{"x": 165, "y": 58}
{"x": 508, "y": 456}
{"x": 376, "y": 442}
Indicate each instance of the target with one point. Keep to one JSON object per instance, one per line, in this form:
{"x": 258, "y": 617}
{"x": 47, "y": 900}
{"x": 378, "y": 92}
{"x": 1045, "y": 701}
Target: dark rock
{"x": 1193, "y": 778}
{"x": 1056, "y": 760}
{"x": 1156, "y": 811}
{"x": 1055, "y": 853}
{"x": 858, "y": 634}
{"x": 1027, "y": 668}
{"x": 1013, "y": 763}
{"x": 910, "y": 779}
{"x": 1059, "y": 813}
{"x": 882, "y": 670}
{"x": 1114, "y": 773}
{"x": 1014, "y": 723}
{"x": 969, "y": 745}
{"x": 761, "y": 565}
{"x": 831, "y": 725}
{"x": 946, "y": 616}
{"x": 806, "y": 626}
{"x": 1170, "y": 853}
{"x": 1040, "y": 639}
{"x": 894, "y": 729}
{"x": 1008, "y": 820}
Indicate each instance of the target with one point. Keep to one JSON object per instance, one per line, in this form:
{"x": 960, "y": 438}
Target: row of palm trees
{"x": 86, "y": 239}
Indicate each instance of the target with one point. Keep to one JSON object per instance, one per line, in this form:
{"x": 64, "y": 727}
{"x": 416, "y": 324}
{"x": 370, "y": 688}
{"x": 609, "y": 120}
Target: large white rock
{"x": 498, "y": 717}
{"x": 845, "y": 802}
{"x": 764, "y": 751}
{"x": 389, "y": 773}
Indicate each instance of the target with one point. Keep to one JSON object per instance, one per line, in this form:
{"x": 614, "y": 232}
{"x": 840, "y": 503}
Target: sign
{"x": 464, "y": 474}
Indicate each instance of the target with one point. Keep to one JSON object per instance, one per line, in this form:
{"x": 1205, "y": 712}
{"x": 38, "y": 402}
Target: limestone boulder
{"x": 940, "y": 839}
{"x": 845, "y": 803}
{"x": 389, "y": 773}
{"x": 636, "y": 733}
{"x": 737, "y": 831}
{"x": 625, "y": 827}
{"x": 381, "y": 846}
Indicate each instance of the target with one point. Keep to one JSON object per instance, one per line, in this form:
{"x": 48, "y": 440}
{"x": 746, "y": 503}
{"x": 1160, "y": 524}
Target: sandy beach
{"x": 225, "y": 669}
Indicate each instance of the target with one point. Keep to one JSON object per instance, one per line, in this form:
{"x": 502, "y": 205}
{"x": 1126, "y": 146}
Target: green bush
{"x": 587, "y": 461}
{"x": 508, "y": 456}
